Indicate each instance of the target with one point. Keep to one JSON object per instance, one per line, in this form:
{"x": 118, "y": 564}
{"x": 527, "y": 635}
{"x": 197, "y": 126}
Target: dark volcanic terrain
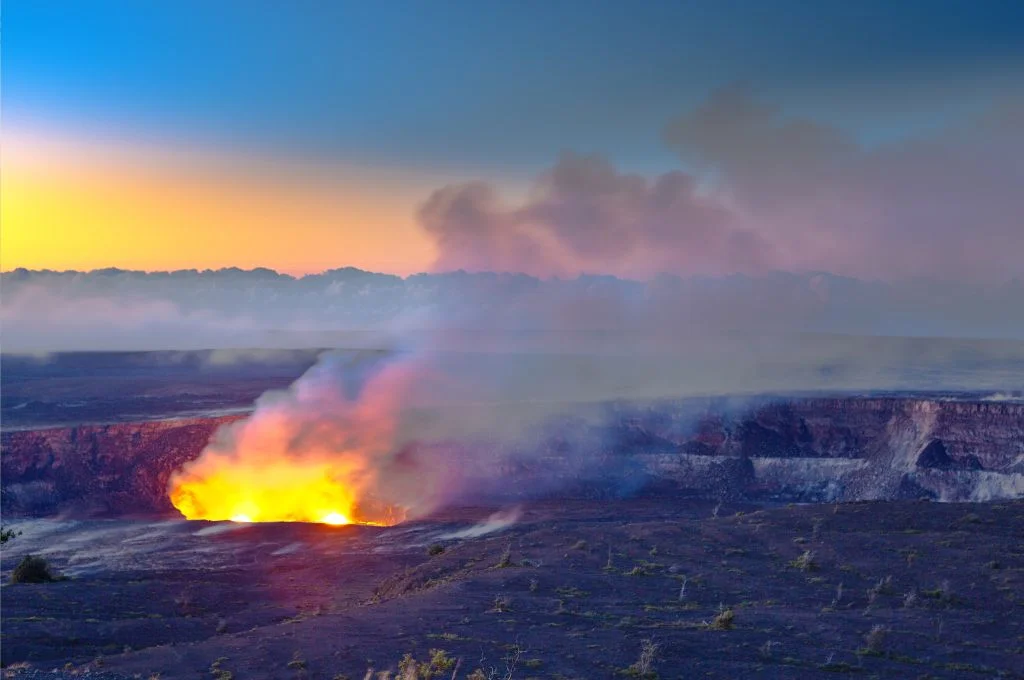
{"x": 571, "y": 590}
{"x": 104, "y": 387}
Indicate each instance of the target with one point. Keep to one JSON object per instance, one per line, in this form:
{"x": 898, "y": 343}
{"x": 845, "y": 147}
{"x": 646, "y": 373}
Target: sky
{"x": 871, "y": 139}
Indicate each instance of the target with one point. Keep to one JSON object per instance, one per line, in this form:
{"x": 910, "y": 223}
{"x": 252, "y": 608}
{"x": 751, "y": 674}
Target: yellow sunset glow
{"x": 69, "y": 205}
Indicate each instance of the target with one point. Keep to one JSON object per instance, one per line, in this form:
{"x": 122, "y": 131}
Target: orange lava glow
{"x": 273, "y": 493}
{"x": 307, "y": 454}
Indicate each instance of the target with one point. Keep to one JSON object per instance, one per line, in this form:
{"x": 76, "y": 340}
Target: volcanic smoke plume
{"x": 328, "y": 449}
{"x": 376, "y": 441}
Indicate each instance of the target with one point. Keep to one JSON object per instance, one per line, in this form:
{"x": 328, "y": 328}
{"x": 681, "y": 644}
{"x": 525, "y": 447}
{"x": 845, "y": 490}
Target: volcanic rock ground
{"x": 574, "y": 587}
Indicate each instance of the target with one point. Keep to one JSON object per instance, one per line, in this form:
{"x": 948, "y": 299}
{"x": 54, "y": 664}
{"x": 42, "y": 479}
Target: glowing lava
{"x": 335, "y": 518}
{"x": 313, "y": 453}
{"x": 281, "y": 492}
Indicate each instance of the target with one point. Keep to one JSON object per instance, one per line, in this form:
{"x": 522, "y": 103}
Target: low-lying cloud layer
{"x": 122, "y": 310}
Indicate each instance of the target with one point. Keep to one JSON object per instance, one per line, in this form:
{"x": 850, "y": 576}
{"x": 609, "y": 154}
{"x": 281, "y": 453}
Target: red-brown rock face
{"x": 98, "y": 469}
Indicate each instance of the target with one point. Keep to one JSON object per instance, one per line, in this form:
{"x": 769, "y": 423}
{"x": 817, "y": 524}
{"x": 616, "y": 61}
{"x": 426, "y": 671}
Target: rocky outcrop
{"x": 935, "y": 456}
{"x": 811, "y": 449}
{"x": 99, "y": 469}
{"x": 864, "y": 448}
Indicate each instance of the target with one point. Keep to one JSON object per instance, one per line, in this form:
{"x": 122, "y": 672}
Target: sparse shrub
{"x": 642, "y": 668}
{"x": 805, "y": 562}
{"x": 534, "y": 584}
{"x": 8, "y": 534}
{"x": 219, "y": 673}
{"x": 943, "y": 593}
{"x": 438, "y": 666}
{"x": 838, "y": 667}
{"x": 501, "y": 604}
{"x": 883, "y": 587}
{"x": 435, "y": 549}
{"x": 767, "y": 649}
{"x": 297, "y": 662}
{"x": 839, "y": 595}
{"x": 408, "y": 667}
{"x": 724, "y": 620}
{"x": 637, "y": 571}
{"x": 185, "y": 601}
{"x": 874, "y": 641}
{"x": 910, "y": 599}
{"x": 939, "y": 625}
{"x": 32, "y": 569}
{"x": 506, "y": 558}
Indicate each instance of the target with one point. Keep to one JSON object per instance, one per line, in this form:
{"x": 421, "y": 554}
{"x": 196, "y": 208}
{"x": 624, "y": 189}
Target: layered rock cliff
{"x": 99, "y": 469}
{"x": 811, "y": 450}
{"x": 858, "y": 448}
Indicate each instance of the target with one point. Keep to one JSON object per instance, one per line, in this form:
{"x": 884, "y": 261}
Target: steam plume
{"x": 489, "y": 363}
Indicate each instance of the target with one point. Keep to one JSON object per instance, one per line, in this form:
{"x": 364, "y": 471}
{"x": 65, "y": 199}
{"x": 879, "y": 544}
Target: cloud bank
{"x": 125, "y": 310}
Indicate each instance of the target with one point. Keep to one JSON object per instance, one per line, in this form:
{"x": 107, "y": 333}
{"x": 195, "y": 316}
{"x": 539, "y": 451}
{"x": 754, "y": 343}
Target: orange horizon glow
{"x": 73, "y": 205}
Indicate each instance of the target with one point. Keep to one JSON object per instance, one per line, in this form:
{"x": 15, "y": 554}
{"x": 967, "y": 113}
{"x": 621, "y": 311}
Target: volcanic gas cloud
{"x": 328, "y": 449}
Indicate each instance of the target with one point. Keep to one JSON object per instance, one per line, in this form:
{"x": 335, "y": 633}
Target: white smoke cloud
{"x": 584, "y": 215}
{"x": 943, "y": 205}
{"x": 498, "y": 521}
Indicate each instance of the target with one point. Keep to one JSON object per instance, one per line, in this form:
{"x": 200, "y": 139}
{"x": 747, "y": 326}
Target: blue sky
{"x": 497, "y": 85}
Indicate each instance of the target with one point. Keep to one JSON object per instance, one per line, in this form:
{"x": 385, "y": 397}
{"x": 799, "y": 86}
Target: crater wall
{"x": 805, "y": 450}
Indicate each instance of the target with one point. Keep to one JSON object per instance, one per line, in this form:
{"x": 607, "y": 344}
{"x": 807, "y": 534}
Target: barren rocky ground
{"x": 567, "y": 590}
